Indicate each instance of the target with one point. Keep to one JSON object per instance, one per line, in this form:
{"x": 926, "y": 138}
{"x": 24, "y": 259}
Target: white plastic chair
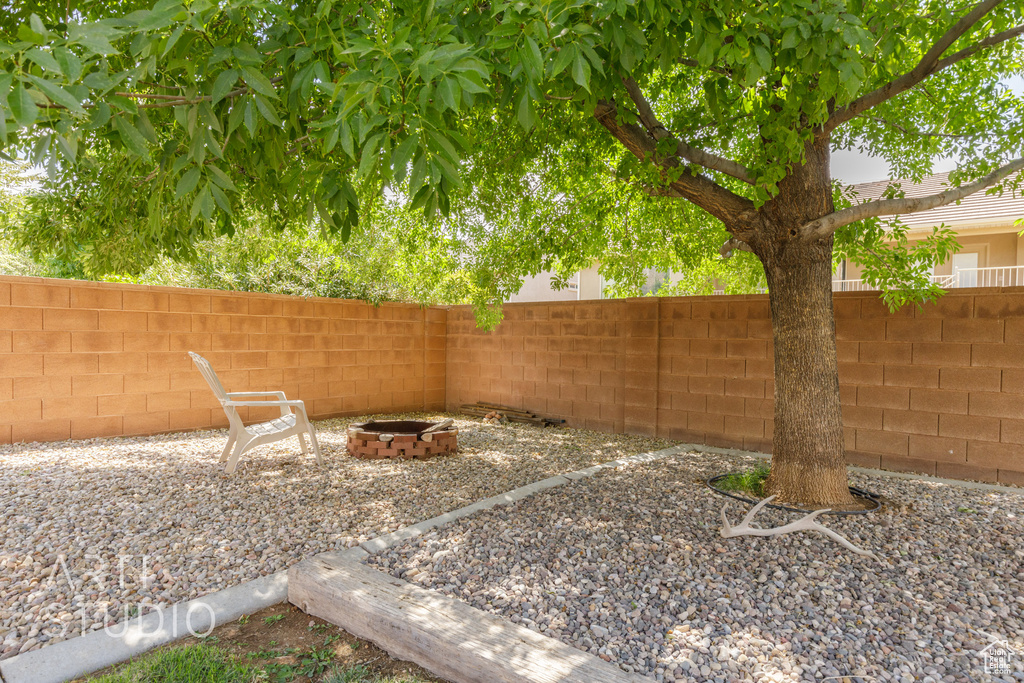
{"x": 293, "y": 420}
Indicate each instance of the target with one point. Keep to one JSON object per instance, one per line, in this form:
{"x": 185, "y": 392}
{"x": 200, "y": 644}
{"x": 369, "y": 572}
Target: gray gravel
{"x": 629, "y": 565}
{"x": 69, "y": 512}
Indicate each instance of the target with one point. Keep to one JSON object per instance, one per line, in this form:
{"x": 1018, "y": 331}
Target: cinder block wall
{"x": 938, "y": 390}
{"x": 82, "y": 359}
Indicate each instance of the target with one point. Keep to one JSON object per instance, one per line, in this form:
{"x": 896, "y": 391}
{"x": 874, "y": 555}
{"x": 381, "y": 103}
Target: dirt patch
{"x": 292, "y": 646}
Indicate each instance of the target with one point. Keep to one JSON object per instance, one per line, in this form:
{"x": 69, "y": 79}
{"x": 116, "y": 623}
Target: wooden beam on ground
{"x": 444, "y": 636}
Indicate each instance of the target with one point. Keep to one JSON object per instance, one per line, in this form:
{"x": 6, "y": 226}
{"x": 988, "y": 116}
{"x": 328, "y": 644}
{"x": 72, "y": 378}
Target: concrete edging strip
{"x": 76, "y": 657}
{"x": 375, "y": 545}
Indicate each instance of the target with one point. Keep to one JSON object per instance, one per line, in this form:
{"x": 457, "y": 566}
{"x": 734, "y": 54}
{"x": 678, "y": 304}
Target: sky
{"x": 852, "y": 166}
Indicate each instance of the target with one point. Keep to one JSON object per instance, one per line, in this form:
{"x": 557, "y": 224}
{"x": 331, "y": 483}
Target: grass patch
{"x": 191, "y": 664}
{"x": 750, "y": 481}
{"x": 208, "y": 664}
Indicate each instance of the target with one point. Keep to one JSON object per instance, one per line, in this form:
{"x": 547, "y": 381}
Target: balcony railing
{"x": 998, "y": 276}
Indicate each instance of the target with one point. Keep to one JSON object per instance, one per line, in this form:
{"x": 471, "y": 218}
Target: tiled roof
{"x": 976, "y": 208}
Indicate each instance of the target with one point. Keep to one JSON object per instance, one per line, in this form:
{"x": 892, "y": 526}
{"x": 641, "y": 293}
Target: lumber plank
{"x": 445, "y": 636}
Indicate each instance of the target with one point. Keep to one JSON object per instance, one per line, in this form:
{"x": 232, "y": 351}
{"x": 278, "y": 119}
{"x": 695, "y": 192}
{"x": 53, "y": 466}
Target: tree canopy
{"x": 177, "y": 114}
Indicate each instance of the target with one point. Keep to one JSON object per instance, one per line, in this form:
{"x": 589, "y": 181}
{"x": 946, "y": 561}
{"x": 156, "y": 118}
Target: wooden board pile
{"x": 493, "y": 413}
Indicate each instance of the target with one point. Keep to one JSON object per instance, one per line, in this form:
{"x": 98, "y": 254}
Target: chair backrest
{"x": 206, "y": 370}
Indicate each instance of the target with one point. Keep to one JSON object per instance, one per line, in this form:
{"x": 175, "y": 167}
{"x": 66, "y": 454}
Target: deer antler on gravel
{"x": 807, "y": 523}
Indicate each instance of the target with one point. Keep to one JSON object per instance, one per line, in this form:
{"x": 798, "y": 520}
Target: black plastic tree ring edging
{"x": 856, "y": 492}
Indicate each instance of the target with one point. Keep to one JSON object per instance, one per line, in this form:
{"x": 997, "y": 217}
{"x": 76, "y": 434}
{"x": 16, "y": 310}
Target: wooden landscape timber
{"x": 482, "y": 409}
{"x": 445, "y": 636}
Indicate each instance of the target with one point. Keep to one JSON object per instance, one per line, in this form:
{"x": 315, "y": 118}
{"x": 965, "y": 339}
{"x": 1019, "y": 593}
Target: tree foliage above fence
{"x": 183, "y": 116}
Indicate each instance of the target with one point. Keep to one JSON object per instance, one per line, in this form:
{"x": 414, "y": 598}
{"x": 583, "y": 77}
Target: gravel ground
{"x": 629, "y": 565}
{"x": 75, "y": 512}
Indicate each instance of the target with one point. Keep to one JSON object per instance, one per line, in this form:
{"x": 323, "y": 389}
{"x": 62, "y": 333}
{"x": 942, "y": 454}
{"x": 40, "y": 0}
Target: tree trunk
{"x": 808, "y": 463}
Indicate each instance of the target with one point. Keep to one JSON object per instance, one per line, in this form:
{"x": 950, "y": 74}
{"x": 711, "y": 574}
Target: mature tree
{"x": 48, "y": 228}
{"x": 732, "y": 106}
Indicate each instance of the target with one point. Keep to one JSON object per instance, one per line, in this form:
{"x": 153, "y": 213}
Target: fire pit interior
{"x": 400, "y": 439}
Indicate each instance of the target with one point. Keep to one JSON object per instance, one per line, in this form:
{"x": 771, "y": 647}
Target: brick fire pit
{"x": 400, "y": 439}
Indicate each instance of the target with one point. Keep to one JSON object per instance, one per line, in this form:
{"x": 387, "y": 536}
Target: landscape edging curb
{"x": 375, "y": 545}
{"x": 91, "y": 652}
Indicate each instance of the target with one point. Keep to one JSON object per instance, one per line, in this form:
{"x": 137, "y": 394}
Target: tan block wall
{"x": 938, "y": 390}
{"x": 83, "y": 359}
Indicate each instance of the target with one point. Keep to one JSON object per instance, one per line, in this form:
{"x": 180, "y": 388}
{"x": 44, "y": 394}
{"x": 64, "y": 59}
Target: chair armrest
{"x": 285, "y": 406}
{"x": 264, "y": 404}
{"x": 279, "y": 394}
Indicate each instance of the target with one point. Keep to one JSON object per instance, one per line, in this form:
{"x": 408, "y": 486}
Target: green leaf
{"x": 419, "y": 172}
{"x": 95, "y": 36}
{"x": 221, "y": 178}
{"x": 790, "y": 39}
{"x": 70, "y": 64}
{"x": 221, "y": 199}
{"x": 331, "y": 140}
{"x": 347, "y": 143}
{"x": 37, "y": 25}
{"x": 197, "y": 203}
{"x": 173, "y": 39}
{"x": 448, "y": 89}
{"x": 100, "y": 116}
{"x": 446, "y": 145}
{"x": 764, "y": 60}
{"x": 57, "y": 94}
{"x": 187, "y": 182}
{"x": 22, "y": 106}
{"x": 223, "y": 85}
{"x": 235, "y": 117}
{"x": 563, "y": 58}
{"x": 131, "y": 137}
{"x": 68, "y": 146}
{"x": 471, "y": 82}
{"x": 532, "y": 58}
{"x": 369, "y": 154}
{"x": 5, "y": 87}
{"x": 258, "y": 82}
{"x": 268, "y": 111}
{"x": 250, "y": 118}
{"x": 44, "y": 60}
{"x": 525, "y": 112}
{"x": 581, "y": 72}
{"x": 403, "y": 153}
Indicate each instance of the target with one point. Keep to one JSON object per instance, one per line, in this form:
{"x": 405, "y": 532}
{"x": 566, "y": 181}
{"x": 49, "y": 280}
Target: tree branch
{"x": 733, "y": 245}
{"x": 826, "y": 225}
{"x": 930, "y": 63}
{"x": 716, "y": 69}
{"x": 730, "y": 208}
{"x": 990, "y": 41}
{"x": 698, "y": 156}
{"x": 910, "y": 131}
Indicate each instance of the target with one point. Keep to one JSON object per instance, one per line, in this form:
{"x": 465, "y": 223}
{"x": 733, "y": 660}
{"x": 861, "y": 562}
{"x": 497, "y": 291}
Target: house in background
{"x": 586, "y": 284}
{"x": 991, "y": 250}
